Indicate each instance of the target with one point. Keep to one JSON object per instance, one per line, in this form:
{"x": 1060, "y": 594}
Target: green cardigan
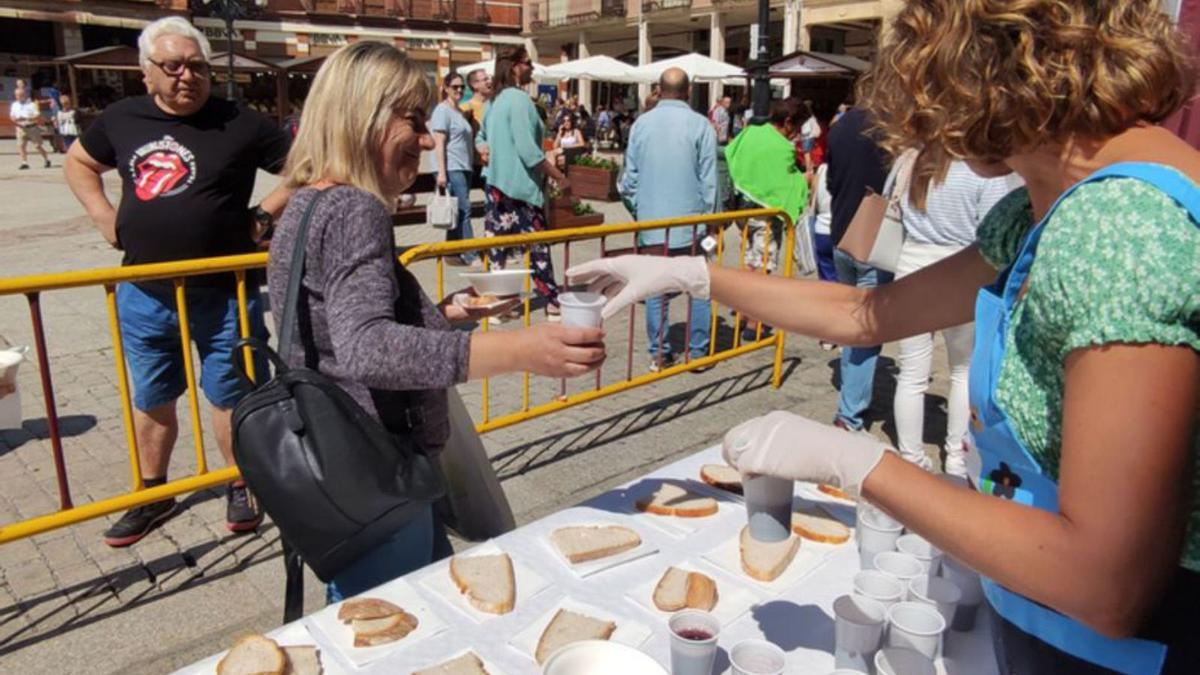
{"x": 513, "y": 132}
{"x": 762, "y": 166}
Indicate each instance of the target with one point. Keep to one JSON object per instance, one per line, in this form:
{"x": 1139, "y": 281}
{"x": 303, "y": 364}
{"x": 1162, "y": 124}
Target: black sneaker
{"x": 137, "y": 523}
{"x": 23, "y": 167}
{"x": 47, "y": 164}
{"x": 241, "y": 509}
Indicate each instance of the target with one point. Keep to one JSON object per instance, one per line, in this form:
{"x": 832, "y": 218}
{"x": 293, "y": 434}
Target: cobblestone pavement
{"x": 70, "y": 604}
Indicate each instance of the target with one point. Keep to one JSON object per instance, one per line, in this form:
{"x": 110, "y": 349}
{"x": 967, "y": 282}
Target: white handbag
{"x": 442, "y": 210}
{"x": 876, "y": 233}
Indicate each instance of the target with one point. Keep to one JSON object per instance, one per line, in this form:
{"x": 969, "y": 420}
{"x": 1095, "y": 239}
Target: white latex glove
{"x": 629, "y": 278}
{"x": 786, "y": 445}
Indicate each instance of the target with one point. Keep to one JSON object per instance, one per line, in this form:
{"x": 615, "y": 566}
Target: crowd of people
{"x": 1051, "y": 237}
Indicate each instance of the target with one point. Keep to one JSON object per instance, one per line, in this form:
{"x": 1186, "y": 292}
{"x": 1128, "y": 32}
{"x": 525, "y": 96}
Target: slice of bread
{"x": 467, "y": 664}
{"x": 679, "y": 590}
{"x": 722, "y": 476}
{"x": 374, "y": 632}
{"x": 567, "y": 627}
{"x": 302, "y": 660}
{"x": 816, "y": 525}
{"x": 581, "y": 543}
{"x": 836, "y": 492}
{"x": 487, "y": 581}
{"x": 673, "y": 500}
{"x": 253, "y": 655}
{"x": 765, "y": 561}
{"x": 366, "y": 608}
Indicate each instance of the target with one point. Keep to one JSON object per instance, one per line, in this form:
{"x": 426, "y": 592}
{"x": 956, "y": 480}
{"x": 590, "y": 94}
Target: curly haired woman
{"x": 1085, "y": 290}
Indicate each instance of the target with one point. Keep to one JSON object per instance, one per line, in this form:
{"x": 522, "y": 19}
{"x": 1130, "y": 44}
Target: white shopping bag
{"x": 442, "y": 211}
{"x": 10, "y": 398}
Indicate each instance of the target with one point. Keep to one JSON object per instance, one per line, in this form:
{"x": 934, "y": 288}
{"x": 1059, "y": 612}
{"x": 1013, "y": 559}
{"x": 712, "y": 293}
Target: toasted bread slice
{"x": 467, "y": 664}
{"x": 673, "y": 500}
{"x": 567, "y": 627}
{"x": 302, "y": 660}
{"x": 836, "y": 492}
{"x": 581, "y": 543}
{"x": 816, "y": 525}
{"x": 366, "y": 608}
{"x": 487, "y": 581}
{"x": 373, "y": 632}
{"x": 722, "y": 476}
{"x": 679, "y": 590}
{"x": 253, "y": 655}
{"x": 765, "y": 561}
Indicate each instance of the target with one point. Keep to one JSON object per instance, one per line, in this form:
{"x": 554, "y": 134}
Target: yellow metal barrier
{"x": 178, "y": 272}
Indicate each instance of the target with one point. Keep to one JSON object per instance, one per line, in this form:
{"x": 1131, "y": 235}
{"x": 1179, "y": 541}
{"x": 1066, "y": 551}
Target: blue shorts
{"x": 150, "y": 332}
{"x": 808, "y": 144}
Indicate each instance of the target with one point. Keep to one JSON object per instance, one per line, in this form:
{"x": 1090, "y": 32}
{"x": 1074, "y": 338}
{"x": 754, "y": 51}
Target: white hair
{"x": 171, "y": 25}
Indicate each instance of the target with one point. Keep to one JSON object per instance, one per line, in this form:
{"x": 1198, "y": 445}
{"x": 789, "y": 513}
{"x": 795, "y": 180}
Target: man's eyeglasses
{"x": 175, "y": 68}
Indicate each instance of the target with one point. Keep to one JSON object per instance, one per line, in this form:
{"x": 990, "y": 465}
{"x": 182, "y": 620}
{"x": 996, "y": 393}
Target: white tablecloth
{"x": 797, "y": 617}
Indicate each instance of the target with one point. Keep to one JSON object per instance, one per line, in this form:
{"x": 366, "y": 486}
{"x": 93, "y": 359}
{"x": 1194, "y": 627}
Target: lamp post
{"x": 230, "y": 11}
{"x": 762, "y": 65}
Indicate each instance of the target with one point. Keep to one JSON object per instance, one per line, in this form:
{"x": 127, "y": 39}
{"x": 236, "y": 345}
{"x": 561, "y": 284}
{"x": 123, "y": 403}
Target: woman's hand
{"x": 629, "y": 278}
{"x": 467, "y": 313}
{"x": 555, "y": 350}
{"x": 786, "y": 445}
{"x": 442, "y": 179}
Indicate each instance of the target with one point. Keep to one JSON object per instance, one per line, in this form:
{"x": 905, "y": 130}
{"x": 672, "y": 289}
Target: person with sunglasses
{"x": 187, "y": 163}
{"x": 453, "y": 139}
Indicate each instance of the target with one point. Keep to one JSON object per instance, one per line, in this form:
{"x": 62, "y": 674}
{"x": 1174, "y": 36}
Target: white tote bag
{"x": 885, "y": 254}
{"x": 442, "y": 211}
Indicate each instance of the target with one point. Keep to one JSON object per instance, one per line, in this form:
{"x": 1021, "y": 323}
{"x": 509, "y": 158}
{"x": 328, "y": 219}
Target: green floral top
{"x": 1119, "y": 262}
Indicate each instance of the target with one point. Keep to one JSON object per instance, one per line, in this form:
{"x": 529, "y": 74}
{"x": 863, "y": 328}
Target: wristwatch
{"x": 264, "y": 223}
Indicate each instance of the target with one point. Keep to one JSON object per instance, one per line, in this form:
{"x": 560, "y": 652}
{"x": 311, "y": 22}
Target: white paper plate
{"x": 628, "y": 632}
{"x": 728, "y": 557}
{"x": 291, "y": 635}
{"x": 460, "y": 300}
{"x": 487, "y": 665}
{"x": 399, "y": 593}
{"x": 733, "y": 598}
{"x": 438, "y": 581}
{"x": 587, "y": 569}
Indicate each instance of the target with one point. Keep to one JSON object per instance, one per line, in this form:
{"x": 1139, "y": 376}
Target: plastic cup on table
{"x": 581, "y": 309}
{"x": 857, "y": 629}
{"x": 902, "y": 661}
{"x": 938, "y": 592}
{"x": 877, "y": 532}
{"x": 693, "y": 642}
{"x": 915, "y": 625}
{"x": 899, "y": 565}
{"x": 968, "y": 583}
{"x": 756, "y": 657}
{"x": 882, "y": 588}
{"x": 768, "y": 503}
{"x": 919, "y": 548}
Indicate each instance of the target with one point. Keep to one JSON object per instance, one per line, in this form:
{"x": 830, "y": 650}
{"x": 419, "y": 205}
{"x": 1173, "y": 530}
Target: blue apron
{"x": 1009, "y": 470}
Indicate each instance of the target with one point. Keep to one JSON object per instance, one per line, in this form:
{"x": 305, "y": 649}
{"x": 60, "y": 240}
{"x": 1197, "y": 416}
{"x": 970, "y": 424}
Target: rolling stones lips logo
{"x": 163, "y": 168}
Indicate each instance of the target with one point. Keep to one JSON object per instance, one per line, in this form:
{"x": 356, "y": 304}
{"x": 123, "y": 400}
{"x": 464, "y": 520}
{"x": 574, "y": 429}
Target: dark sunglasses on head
{"x": 456, "y": 86}
{"x": 175, "y": 68}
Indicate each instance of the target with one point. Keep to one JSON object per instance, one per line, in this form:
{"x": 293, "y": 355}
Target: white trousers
{"x": 916, "y": 362}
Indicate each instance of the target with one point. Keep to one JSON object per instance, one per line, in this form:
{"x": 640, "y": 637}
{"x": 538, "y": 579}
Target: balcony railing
{"x": 664, "y": 5}
{"x": 497, "y": 13}
{"x": 559, "y": 13}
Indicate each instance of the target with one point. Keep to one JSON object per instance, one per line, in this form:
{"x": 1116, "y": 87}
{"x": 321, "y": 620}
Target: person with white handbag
{"x": 453, "y": 139}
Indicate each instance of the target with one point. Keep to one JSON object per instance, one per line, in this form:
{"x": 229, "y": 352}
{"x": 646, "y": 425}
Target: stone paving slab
{"x": 70, "y": 604}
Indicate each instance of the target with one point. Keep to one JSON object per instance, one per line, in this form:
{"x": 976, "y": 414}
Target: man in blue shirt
{"x": 671, "y": 171}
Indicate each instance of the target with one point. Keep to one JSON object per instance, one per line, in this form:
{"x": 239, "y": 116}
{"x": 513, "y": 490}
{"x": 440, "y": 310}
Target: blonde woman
{"x": 368, "y": 325}
{"x": 1085, "y": 292}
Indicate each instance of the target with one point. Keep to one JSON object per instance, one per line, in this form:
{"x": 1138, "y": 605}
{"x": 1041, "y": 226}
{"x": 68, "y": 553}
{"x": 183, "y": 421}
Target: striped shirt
{"x": 954, "y": 207}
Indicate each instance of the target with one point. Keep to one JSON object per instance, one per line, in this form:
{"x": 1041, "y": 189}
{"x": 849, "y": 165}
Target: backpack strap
{"x": 295, "y": 277}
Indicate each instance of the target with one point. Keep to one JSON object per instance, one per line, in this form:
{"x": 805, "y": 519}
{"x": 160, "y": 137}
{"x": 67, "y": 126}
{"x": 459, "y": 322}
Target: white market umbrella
{"x": 598, "y": 68}
{"x": 699, "y": 68}
{"x": 539, "y": 71}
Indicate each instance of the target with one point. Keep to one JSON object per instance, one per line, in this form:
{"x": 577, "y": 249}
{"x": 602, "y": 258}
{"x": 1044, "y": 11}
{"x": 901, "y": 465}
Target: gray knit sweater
{"x": 352, "y": 294}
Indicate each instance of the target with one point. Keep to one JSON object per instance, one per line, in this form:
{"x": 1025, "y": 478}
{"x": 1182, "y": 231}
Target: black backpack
{"x": 334, "y": 480}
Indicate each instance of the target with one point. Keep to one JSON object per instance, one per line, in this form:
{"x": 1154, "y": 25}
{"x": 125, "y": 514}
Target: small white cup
{"x": 917, "y": 546}
{"x": 882, "y": 588}
{"x": 900, "y": 565}
{"x": 968, "y": 583}
{"x": 877, "y": 532}
{"x": 858, "y": 628}
{"x": 689, "y": 655}
{"x": 936, "y": 591}
{"x": 901, "y": 661}
{"x": 756, "y": 657}
{"x": 581, "y": 309}
{"x": 916, "y": 626}
{"x": 768, "y": 506}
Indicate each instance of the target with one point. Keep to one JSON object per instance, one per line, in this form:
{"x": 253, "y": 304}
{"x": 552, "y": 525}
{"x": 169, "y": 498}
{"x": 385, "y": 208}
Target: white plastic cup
{"x": 877, "y": 532}
{"x": 692, "y": 654}
{"x": 756, "y": 657}
{"x": 858, "y": 628}
{"x": 847, "y": 671}
{"x": 768, "y": 506}
{"x": 581, "y": 309}
{"x": 915, "y": 625}
{"x": 900, "y": 565}
{"x": 10, "y": 404}
{"x": 901, "y": 661}
{"x": 968, "y": 583}
{"x": 882, "y": 588}
{"x": 920, "y": 548}
{"x": 938, "y": 592}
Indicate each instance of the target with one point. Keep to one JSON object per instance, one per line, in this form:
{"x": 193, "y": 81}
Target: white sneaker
{"x": 956, "y": 464}
{"x": 922, "y": 460}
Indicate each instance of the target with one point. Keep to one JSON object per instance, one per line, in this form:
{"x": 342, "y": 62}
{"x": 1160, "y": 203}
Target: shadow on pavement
{"x": 38, "y": 429}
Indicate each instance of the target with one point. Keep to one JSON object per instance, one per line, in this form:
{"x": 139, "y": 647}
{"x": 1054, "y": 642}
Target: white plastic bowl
{"x": 499, "y": 282}
{"x": 600, "y": 657}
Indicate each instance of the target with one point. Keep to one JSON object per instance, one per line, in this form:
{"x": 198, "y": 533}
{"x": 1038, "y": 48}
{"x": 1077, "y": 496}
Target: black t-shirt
{"x": 186, "y": 181}
{"x": 856, "y": 162}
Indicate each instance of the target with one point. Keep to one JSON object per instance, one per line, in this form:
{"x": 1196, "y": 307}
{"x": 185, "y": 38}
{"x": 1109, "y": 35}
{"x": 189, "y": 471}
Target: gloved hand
{"x": 786, "y": 445}
{"x": 629, "y": 278}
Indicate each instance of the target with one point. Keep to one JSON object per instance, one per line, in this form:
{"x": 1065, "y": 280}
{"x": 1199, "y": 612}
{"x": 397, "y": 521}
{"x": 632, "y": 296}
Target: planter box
{"x": 558, "y": 220}
{"x": 592, "y": 183}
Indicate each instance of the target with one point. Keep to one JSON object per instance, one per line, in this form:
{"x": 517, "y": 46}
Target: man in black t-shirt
{"x": 187, "y": 164}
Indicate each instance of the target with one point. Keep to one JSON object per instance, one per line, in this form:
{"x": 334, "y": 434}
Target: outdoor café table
{"x": 794, "y": 612}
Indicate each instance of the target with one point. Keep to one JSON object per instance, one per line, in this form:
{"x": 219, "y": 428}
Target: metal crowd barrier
{"x": 33, "y": 286}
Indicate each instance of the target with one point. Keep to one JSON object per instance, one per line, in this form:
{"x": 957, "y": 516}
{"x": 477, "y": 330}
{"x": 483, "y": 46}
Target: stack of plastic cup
{"x": 916, "y": 546}
{"x": 938, "y": 592}
{"x": 916, "y": 626}
{"x": 967, "y": 581}
{"x": 882, "y": 588}
{"x": 756, "y": 657}
{"x": 858, "y": 628}
{"x": 899, "y": 565}
{"x": 877, "y": 532}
